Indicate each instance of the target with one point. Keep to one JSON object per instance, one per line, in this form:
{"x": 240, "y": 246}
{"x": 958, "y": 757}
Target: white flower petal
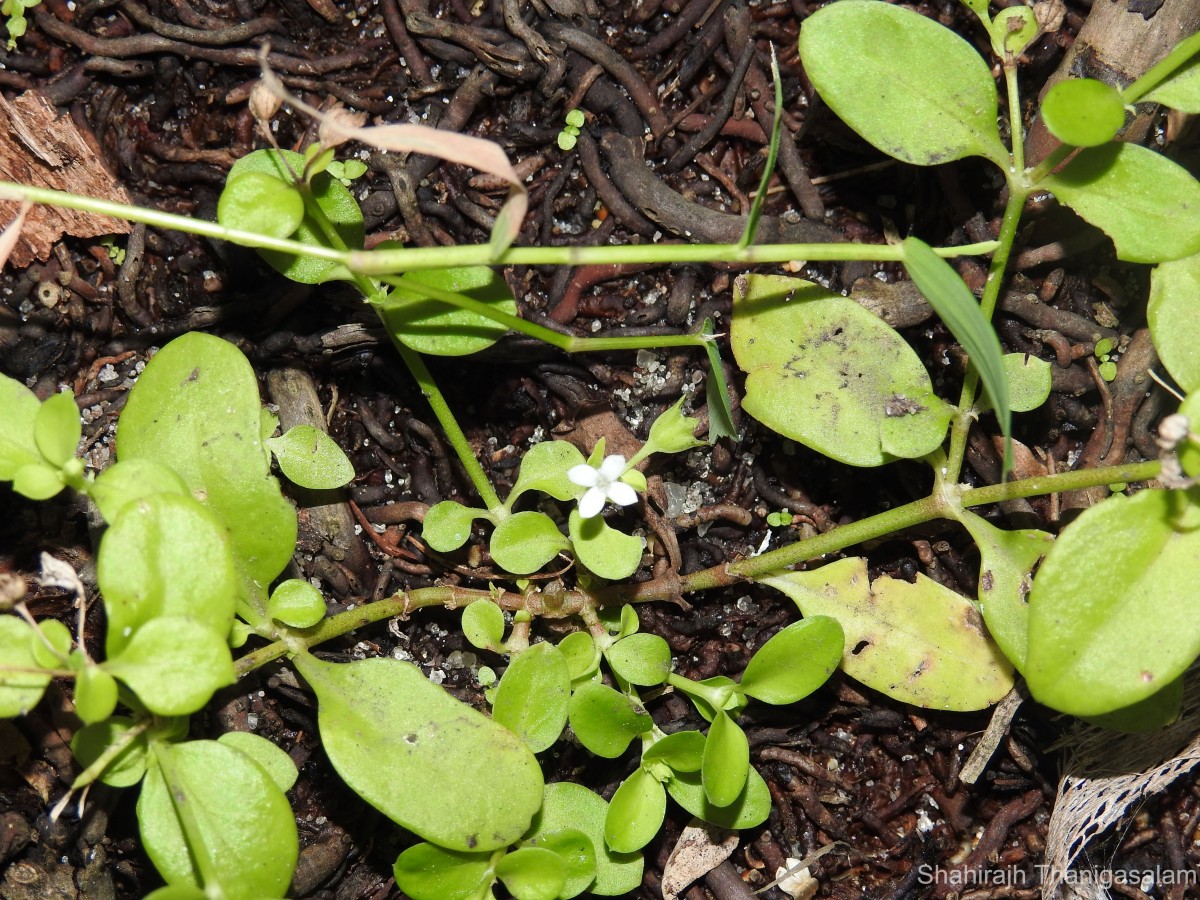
{"x": 583, "y": 475}
{"x": 612, "y": 467}
{"x": 591, "y": 503}
{"x": 622, "y": 494}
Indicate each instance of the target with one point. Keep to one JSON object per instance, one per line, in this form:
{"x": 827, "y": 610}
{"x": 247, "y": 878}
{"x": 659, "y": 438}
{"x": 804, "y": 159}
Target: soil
{"x": 157, "y": 90}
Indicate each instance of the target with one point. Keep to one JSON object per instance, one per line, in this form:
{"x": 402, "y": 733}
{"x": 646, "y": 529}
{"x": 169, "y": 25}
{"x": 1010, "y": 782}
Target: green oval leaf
{"x": 427, "y": 325}
{"x": 432, "y": 744}
{"x": 426, "y": 872}
{"x": 726, "y": 761}
{"x": 641, "y": 659}
{"x": 582, "y": 655}
{"x": 19, "y": 690}
{"x": 1028, "y": 381}
{"x": 1083, "y": 112}
{"x": 605, "y": 720}
{"x": 1174, "y": 325}
{"x": 525, "y": 542}
{"x": 234, "y": 816}
{"x": 911, "y": 87}
{"x": 572, "y": 806}
{"x": 544, "y": 468}
{"x": 95, "y": 695}
{"x": 795, "y": 662}
{"x": 174, "y": 664}
{"x": 57, "y": 428}
{"x": 1143, "y": 201}
{"x": 1112, "y": 615}
{"x": 271, "y": 759}
{"x": 531, "y": 699}
{"x": 18, "y": 411}
{"x": 257, "y": 201}
{"x": 310, "y": 458}
{"x": 532, "y": 873}
{"x": 918, "y": 643}
{"x": 483, "y": 624}
{"x": 578, "y": 854}
{"x": 38, "y": 481}
{"x": 295, "y": 602}
{"x": 127, "y": 767}
{"x": 52, "y": 646}
{"x": 682, "y": 751}
{"x": 749, "y": 810}
{"x": 132, "y": 479}
{"x": 635, "y": 813}
{"x": 447, "y": 525}
{"x": 603, "y": 550}
{"x": 827, "y": 373}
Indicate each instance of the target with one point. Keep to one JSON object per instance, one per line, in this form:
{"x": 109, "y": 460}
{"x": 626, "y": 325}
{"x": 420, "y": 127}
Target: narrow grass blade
{"x": 760, "y": 199}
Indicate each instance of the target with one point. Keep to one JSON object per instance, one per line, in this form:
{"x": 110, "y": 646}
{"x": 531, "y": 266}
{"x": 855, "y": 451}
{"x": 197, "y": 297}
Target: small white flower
{"x": 602, "y": 484}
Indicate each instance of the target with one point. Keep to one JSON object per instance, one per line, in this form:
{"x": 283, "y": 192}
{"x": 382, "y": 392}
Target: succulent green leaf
{"x": 544, "y": 468}
{"x": 911, "y": 87}
{"x": 256, "y": 201}
{"x": 635, "y": 813}
{"x": 1083, "y": 112}
{"x": 582, "y": 655}
{"x": 1182, "y": 90}
{"x": 567, "y": 140}
{"x": 572, "y": 806}
{"x": 174, "y": 664}
{"x": 953, "y": 301}
{"x": 795, "y": 662}
{"x": 19, "y": 690}
{"x": 918, "y": 643}
{"x": 447, "y": 525}
{"x": 334, "y": 200}
{"x": 1112, "y": 617}
{"x": 18, "y": 411}
{"x": 271, "y": 758}
{"x": 38, "y": 481}
{"x": 604, "y": 551}
{"x": 576, "y": 118}
{"x": 1028, "y": 381}
{"x": 311, "y": 458}
{"x": 57, "y": 428}
{"x": 384, "y": 709}
{"x": 578, "y": 854}
{"x": 483, "y": 624}
{"x": 95, "y": 694}
{"x": 132, "y": 479}
{"x": 641, "y": 659}
{"x": 525, "y": 542}
{"x": 824, "y": 371}
{"x": 296, "y": 603}
{"x": 1145, "y": 202}
{"x": 206, "y": 800}
{"x": 165, "y": 555}
{"x": 726, "y": 761}
{"x": 605, "y": 720}
{"x": 682, "y": 751}
{"x": 1174, "y": 325}
{"x": 127, "y": 767}
{"x": 427, "y": 325}
{"x": 749, "y": 810}
{"x": 532, "y": 873}
{"x": 428, "y": 872}
{"x": 1006, "y": 565}
{"x": 531, "y": 700}
{"x": 195, "y": 409}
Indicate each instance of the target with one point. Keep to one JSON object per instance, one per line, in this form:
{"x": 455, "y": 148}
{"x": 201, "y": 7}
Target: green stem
{"x": 458, "y": 440}
{"x": 1016, "y": 124}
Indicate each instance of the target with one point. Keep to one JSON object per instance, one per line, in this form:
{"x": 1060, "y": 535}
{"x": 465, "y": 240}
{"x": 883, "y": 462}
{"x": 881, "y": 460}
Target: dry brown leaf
{"x": 42, "y": 149}
{"x": 701, "y": 849}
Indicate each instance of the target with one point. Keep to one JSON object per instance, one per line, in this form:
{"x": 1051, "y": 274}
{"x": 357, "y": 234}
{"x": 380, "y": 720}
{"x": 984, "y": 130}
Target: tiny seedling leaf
{"x": 604, "y": 551}
{"x": 672, "y": 432}
{"x": 427, "y": 872}
{"x": 377, "y": 710}
{"x": 95, "y": 694}
{"x": 174, "y": 664}
{"x": 1143, "y": 201}
{"x": 447, "y": 525}
{"x": 635, "y": 813}
{"x": 57, "y": 428}
{"x": 1112, "y": 616}
{"x": 525, "y": 542}
{"x": 578, "y": 854}
{"x": 827, "y": 373}
{"x": 128, "y": 766}
{"x": 544, "y": 468}
{"x": 750, "y": 809}
{"x": 572, "y": 806}
{"x": 19, "y": 690}
{"x": 531, "y": 699}
{"x": 794, "y": 662}
{"x": 576, "y": 118}
{"x": 483, "y": 624}
{"x": 918, "y": 643}
{"x": 532, "y": 873}
{"x": 1013, "y": 29}
{"x": 271, "y": 758}
{"x": 1174, "y": 325}
{"x": 911, "y": 87}
{"x": 132, "y": 479}
{"x": 205, "y": 799}
{"x": 429, "y": 325}
{"x": 605, "y": 720}
{"x": 1028, "y": 381}
{"x": 726, "y": 761}
{"x": 257, "y": 201}
{"x": 641, "y": 659}
{"x": 311, "y": 458}
{"x": 296, "y": 603}
{"x": 1083, "y": 112}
